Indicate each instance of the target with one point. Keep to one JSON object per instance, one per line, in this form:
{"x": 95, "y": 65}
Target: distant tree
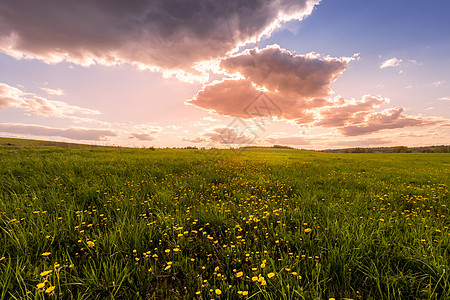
{"x": 401, "y": 149}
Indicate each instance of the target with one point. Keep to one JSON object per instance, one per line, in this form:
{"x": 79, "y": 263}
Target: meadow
{"x": 118, "y": 223}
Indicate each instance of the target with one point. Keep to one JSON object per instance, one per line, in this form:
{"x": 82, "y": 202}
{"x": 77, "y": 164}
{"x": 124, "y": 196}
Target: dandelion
{"x": 216, "y": 269}
{"x": 263, "y": 266}
{"x": 198, "y": 292}
{"x": 167, "y": 251}
{"x": 255, "y": 278}
{"x": 167, "y": 268}
{"x": 308, "y": 230}
{"x": 46, "y": 253}
{"x": 218, "y": 292}
{"x": 244, "y": 293}
{"x": 239, "y": 274}
{"x": 40, "y": 285}
{"x": 271, "y": 274}
{"x": 45, "y": 273}
{"x": 90, "y": 244}
{"x": 49, "y": 289}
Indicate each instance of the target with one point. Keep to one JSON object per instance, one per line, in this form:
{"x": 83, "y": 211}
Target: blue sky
{"x": 115, "y": 101}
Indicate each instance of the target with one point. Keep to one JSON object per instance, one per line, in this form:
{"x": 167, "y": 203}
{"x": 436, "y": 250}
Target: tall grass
{"x": 254, "y": 224}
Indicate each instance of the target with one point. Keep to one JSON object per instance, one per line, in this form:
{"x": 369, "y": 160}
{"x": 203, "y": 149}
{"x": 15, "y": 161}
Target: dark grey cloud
{"x": 168, "y": 34}
{"x": 71, "y": 133}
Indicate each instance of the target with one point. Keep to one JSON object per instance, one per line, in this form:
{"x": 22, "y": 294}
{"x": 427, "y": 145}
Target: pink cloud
{"x": 277, "y": 69}
{"x": 11, "y": 97}
{"x": 288, "y": 140}
{"x": 297, "y": 87}
{"x": 224, "y": 136}
{"x": 293, "y": 84}
{"x": 71, "y": 133}
{"x": 387, "y": 119}
{"x": 53, "y": 92}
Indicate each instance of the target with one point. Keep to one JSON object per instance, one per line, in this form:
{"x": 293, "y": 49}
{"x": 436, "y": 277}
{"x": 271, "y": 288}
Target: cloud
{"x": 444, "y": 98}
{"x": 225, "y": 136}
{"x": 288, "y": 140}
{"x": 438, "y": 83}
{"x": 142, "y": 137}
{"x": 164, "y": 34}
{"x": 71, "y": 133}
{"x": 145, "y": 132}
{"x": 273, "y": 82}
{"x": 11, "y": 97}
{"x": 53, "y": 92}
{"x": 293, "y": 84}
{"x": 388, "y": 119}
{"x": 392, "y": 62}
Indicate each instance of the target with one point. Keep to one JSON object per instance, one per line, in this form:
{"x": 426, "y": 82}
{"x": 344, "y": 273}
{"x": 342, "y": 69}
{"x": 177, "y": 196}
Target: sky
{"x": 163, "y": 73}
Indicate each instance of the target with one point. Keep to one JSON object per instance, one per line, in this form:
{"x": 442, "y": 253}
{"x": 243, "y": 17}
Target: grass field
{"x": 111, "y": 223}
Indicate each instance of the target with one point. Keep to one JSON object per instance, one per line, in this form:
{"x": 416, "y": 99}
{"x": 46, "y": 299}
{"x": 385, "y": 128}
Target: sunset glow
{"x": 305, "y": 73}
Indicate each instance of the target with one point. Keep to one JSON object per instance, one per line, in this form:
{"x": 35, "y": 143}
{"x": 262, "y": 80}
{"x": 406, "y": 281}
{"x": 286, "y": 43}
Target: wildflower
{"x": 90, "y": 244}
{"x": 167, "y": 250}
{"x": 239, "y": 274}
{"x": 216, "y": 269}
{"x": 46, "y": 253}
{"x": 244, "y": 293}
{"x": 198, "y": 292}
{"x": 2, "y": 258}
{"x": 45, "y": 273}
{"x": 50, "y": 289}
{"x": 308, "y": 230}
{"x": 263, "y": 266}
{"x": 40, "y": 285}
{"x": 271, "y": 274}
{"x": 254, "y": 278}
{"x": 218, "y": 292}
{"x": 167, "y": 268}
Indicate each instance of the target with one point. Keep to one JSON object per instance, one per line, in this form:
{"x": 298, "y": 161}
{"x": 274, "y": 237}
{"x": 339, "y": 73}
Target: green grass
{"x": 168, "y": 224}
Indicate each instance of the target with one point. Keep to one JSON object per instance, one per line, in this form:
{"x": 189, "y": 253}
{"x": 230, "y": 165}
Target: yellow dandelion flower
{"x": 90, "y": 244}
{"x": 218, "y": 292}
{"x": 271, "y": 274}
{"x": 40, "y": 285}
{"x": 263, "y": 282}
{"x": 239, "y": 274}
{"x": 167, "y": 268}
{"x": 216, "y": 269}
{"x": 45, "y": 273}
{"x": 198, "y": 292}
{"x": 244, "y": 293}
{"x": 167, "y": 250}
{"x": 254, "y": 278}
{"x": 263, "y": 265}
{"x": 49, "y": 289}
{"x": 308, "y": 230}
{"x": 46, "y": 253}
